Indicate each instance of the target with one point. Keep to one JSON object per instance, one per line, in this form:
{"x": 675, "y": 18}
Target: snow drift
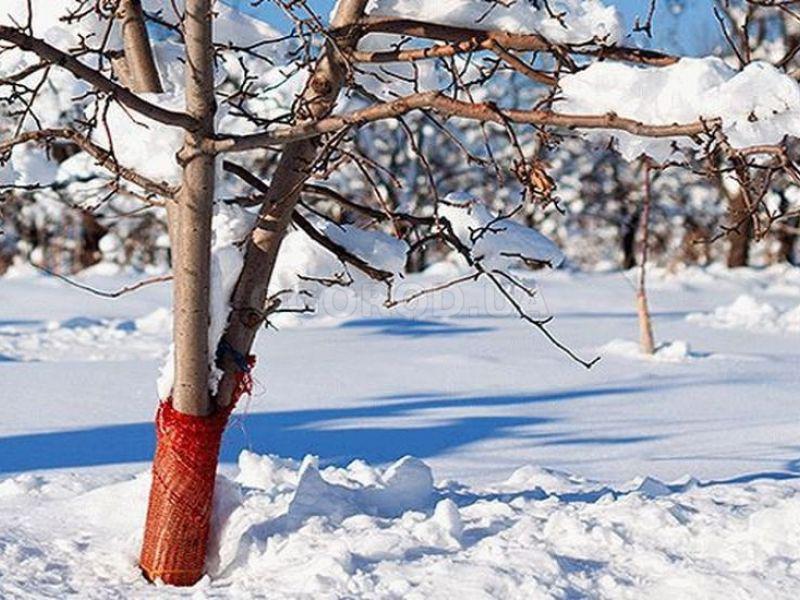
{"x": 293, "y": 530}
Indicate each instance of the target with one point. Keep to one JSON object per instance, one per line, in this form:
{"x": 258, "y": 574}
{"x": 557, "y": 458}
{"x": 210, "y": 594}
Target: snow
{"x": 758, "y": 105}
{"x": 8, "y": 176}
{"x": 406, "y": 485}
{"x": 32, "y": 168}
{"x": 27, "y": 168}
{"x": 526, "y": 537}
{"x": 379, "y": 249}
{"x": 142, "y": 143}
{"x": 230, "y": 225}
{"x": 302, "y": 258}
{"x": 749, "y": 314}
{"x": 49, "y": 24}
{"x": 495, "y": 241}
{"x": 532, "y": 477}
{"x": 81, "y": 338}
{"x": 675, "y": 351}
{"x": 441, "y": 450}
{"x": 583, "y": 20}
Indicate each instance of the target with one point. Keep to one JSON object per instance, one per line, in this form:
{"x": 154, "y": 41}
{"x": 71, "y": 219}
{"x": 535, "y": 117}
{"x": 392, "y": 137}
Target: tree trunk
{"x": 627, "y": 239}
{"x": 190, "y": 426}
{"x": 786, "y": 234}
{"x": 91, "y": 234}
{"x": 646, "y": 342}
{"x": 787, "y": 240}
{"x": 738, "y": 238}
{"x": 294, "y": 168}
{"x": 189, "y": 435}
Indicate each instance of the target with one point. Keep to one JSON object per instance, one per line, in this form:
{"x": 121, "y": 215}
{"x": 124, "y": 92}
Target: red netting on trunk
{"x": 182, "y": 492}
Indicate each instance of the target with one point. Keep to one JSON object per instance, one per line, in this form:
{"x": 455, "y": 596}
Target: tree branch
{"x": 483, "y": 112}
{"x": 316, "y": 101}
{"x": 103, "y": 157}
{"x": 102, "y": 83}
{"x": 464, "y": 39}
{"x": 103, "y": 293}
{"x": 308, "y": 228}
{"x": 340, "y": 251}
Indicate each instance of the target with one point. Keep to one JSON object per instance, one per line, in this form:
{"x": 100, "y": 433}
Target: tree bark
{"x": 192, "y": 248}
{"x": 294, "y": 168}
{"x": 138, "y": 53}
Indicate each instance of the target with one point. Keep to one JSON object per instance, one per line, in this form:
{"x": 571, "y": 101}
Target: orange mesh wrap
{"x": 182, "y": 492}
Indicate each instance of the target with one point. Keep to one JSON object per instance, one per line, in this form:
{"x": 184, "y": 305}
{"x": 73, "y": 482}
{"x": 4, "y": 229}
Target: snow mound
{"x": 748, "y": 313}
{"x": 406, "y": 485}
{"x": 675, "y": 351}
{"x": 86, "y": 338}
{"x": 156, "y": 322}
{"x": 364, "y": 532}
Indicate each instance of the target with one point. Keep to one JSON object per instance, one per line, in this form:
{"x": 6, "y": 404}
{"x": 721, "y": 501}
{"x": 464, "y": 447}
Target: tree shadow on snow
{"x": 414, "y": 328}
{"x": 337, "y": 435}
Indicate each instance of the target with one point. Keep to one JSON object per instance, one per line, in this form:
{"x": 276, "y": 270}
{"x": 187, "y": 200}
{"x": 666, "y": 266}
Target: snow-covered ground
{"x": 676, "y": 476}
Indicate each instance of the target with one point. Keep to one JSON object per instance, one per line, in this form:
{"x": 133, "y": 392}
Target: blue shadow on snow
{"x": 411, "y": 327}
{"x": 337, "y": 435}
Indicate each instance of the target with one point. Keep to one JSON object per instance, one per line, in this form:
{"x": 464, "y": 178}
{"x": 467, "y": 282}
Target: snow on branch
{"x": 482, "y": 112}
{"x": 496, "y": 241}
{"x": 376, "y": 255}
{"x": 756, "y": 106}
{"x": 466, "y": 39}
{"x": 103, "y": 157}
{"x": 54, "y": 56}
{"x": 560, "y": 21}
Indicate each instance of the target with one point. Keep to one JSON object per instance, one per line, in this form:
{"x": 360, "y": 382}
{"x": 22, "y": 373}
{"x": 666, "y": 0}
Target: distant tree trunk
{"x": 739, "y": 238}
{"x": 627, "y": 239}
{"x": 646, "y": 342}
{"x": 787, "y": 240}
{"x": 786, "y": 235}
{"x": 91, "y": 234}
{"x": 694, "y": 245}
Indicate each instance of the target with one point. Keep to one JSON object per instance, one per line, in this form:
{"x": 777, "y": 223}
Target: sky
{"x": 680, "y": 26}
